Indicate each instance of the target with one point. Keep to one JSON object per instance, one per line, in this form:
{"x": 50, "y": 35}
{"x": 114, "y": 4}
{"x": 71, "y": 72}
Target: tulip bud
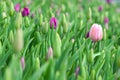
{"x": 25, "y": 12}
{"x": 45, "y": 26}
{"x": 100, "y": 78}
{"x": 65, "y": 24}
{"x": 18, "y": 20}
{"x": 11, "y": 36}
{"x": 41, "y": 19}
{"x": 17, "y": 7}
{"x": 27, "y": 21}
{"x": 92, "y": 76}
{"x": 108, "y": 1}
{"x": 100, "y": 8}
{"x": 11, "y": 7}
{"x": 77, "y": 71}
{"x": 96, "y": 32}
{"x": 37, "y": 65}
{"x": 53, "y": 22}
{"x": 18, "y": 43}
{"x": 49, "y": 53}
{"x": 90, "y": 14}
{"x": 22, "y": 63}
{"x": 90, "y": 56}
{"x": 106, "y": 21}
{"x": 8, "y": 74}
{"x": 56, "y": 45}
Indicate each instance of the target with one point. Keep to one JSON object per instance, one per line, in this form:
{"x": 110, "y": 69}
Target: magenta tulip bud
{"x": 100, "y": 8}
{"x": 108, "y": 1}
{"x": 17, "y": 7}
{"x": 77, "y": 71}
{"x": 96, "y": 32}
{"x": 53, "y": 22}
{"x": 25, "y": 12}
{"x": 23, "y": 63}
{"x": 49, "y": 53}
{"x": 106, "y": 20}
{"x": 87, "y": 35}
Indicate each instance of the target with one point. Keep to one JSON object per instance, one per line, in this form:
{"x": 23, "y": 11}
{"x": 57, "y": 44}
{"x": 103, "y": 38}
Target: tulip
{"x": 23, "y": 63}
{"x": 19, "y": 42}
{"x": 17, "y": 7}
{"x": 100, "y": 8}
{"x": 53, "y": 22}
{"x": 96, "y": 32}
{"x": 25, "y": 12}
{"x": 49, "y": 53}
{"x": 106, "y": 21}
{"x": 108, "y": 1}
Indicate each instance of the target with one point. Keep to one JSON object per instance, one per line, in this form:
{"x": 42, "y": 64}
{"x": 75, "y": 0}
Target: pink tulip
{"x": 23, "y": 63}
{"x": 17, "y": 7}
{"x": 96, "y": 32}
{"x": 49, "y": 53}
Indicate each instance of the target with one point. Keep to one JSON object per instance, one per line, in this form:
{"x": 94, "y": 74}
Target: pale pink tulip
{"x": 96, "y": 32}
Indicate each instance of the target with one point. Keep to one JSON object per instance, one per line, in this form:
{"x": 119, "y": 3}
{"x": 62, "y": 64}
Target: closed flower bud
{"x": 108, "y": 1}
{"x": 56, "y": 45}
{"x": 8, "y": 74}
{"x": 37, "y": 63}
{"x": 90, "y": 14}
{"x": 53, "y": 22}
{"x": 90, "y": 56}
{"x": 18, "y": 43}
{"x": 25, "y": 12}
{"x": 100, "y": 77}
{"x": 11, "y": 11}
{"x": 100, "y": 8}
{"x": 27, "y": 21}
{"x": 65, "y": 24}
{"x": 49, "y": 53}
{"x": 41, "y": 19}
{"x": 92, "y": 76}
{"x": 77, "y": 71}
{"x": 17, "y": 7}
{"x": 18, "y": 20}
{"x": 22, "y": 63}
{"x": 45, "y": 26}
{"x": 11, "y": 36}
{"x": 96, "y": 32}
{"x": 106, "y": 21}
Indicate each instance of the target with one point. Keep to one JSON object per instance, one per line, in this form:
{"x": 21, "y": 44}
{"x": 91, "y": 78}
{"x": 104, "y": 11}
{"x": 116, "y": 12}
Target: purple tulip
{"x": 108, "y": 1}
{"x": 53, "y": 22}
{"x": 49, "y": 53}
{"x": 77, "y": 71}
{"x": 25, "y": 12}
{"x": 17, "y": 7}
{"x": 100, "y": 8}
{"x": 23, "y": 63}
{"x": 106, "y": 20}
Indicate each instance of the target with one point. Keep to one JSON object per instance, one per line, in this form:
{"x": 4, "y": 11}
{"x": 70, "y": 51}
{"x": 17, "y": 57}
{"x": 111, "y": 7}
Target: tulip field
{"x": 59, "y": 40}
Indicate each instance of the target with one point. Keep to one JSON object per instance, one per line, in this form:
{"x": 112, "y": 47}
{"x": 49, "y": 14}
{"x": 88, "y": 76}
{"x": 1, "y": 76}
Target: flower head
{"x": 25, "y": 12}
{"x": 23, "y": 63}
{"x": 17, "y": 7}
{"x": 49, "y": 53}
{"x": 96, "y": 32}
{"x": 53, "y": 22}
{"x": 106, "y": 20}
{"x": 87, "y": 35}
{"x": 100, "y": 8}
{"x": 108, "y": 1}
